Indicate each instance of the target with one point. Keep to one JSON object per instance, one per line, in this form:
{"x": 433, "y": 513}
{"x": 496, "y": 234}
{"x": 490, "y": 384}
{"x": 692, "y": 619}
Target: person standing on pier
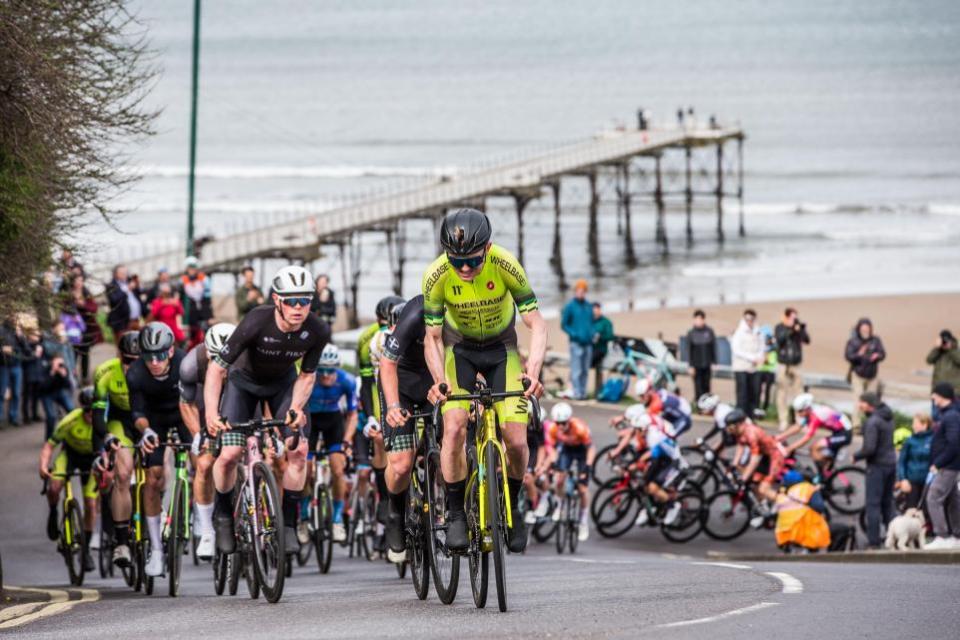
{"x": 790, "y": 336}
{"x": 702, "y": 344}
{"x": 577, "y": 322}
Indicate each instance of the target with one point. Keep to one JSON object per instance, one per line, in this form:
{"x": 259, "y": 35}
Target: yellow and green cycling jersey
{"x": 75, "y": 432}
{"x": 364, "y": 363}
{"x": 482, "y": 310}
{"x": 110, "y": 386}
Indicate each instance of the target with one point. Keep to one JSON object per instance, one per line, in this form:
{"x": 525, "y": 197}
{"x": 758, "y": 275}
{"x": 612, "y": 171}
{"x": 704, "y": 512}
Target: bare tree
{"x": 73, "y": 78}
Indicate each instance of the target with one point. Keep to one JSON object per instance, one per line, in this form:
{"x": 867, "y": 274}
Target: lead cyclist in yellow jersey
{"x": 470, "y": 294}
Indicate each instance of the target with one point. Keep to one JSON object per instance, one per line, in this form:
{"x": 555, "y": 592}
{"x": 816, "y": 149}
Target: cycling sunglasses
{"x": 299, "y": 301}
{"x": 156, "y": 356}
{"x": 326, "y": 371}
{"x": 473, "y": 262}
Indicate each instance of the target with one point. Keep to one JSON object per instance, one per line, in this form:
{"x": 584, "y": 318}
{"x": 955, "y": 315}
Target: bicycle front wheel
{"x": 575, "y": 525}
{"x": 496, "y": 523}
{"x": 269, "y": 551}
{"x": 233, "y": 573}
{"x": 617, "y": 513}
{"x": 323, "y": 528}
{"x": 221, "y": 563}
{"x": 417, "y": 543}
{"x": 478, "y": 560}
{"x": 563, "y": 529}
{"x": 726, "y": 515}
{"x": 690, "y": 521}
{"x": 71, "y": 537}
{"x": 846, "y": 490}
{"x": 444, "y": 565}
{"x": 176, "y": 537}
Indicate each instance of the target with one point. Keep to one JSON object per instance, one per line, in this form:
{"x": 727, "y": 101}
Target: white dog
{"x": 906, "y": 530}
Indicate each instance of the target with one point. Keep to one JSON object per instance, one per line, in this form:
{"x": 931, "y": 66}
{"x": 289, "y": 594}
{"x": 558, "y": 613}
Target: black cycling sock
{"x": 223, "y": 503}
{"x": 291, "y": 507}
{"x": 455, "y": 494}
{"x": 121, "y": 530}
{"x": 513, "y": 486}
{"x": 397, "y": 501}
{"x": 380, "y": 478}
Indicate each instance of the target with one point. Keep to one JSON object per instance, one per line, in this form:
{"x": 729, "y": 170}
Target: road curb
{"x": 859, "y": 557}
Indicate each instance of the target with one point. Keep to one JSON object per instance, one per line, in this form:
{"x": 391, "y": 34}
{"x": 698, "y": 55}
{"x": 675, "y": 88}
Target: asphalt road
{"x": 638, "y": 585}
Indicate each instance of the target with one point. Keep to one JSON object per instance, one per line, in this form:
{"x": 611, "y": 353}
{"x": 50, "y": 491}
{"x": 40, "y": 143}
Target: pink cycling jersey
{"x": 824, "y": 417}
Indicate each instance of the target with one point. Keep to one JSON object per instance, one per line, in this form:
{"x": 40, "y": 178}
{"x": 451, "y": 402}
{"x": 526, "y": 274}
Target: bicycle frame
{"x": 67, "y": 499}
{"x": 182, "y": 477}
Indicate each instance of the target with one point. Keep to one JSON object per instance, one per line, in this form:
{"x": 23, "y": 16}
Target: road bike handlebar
{"x": 253, "y": 427}
{"x": 486, "y": 394}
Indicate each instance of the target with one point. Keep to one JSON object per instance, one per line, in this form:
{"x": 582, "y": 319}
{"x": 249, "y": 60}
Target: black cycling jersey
{"x": 405, "y": 345}
{"x": 260, "y": 355}
{"x": 157, "y": 399}
{"x": 193, "y": 369}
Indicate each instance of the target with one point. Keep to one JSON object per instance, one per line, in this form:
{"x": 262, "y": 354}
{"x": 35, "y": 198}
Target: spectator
{"x": 248, "y": 294}
{"x": 602, "y": 336}
{"x": 324, "y": 305}
{"x": 73, "y": 323}
{"x": 702, "y": 344}
{"x": 137, "y": 290}
{"x": 125, "y": 309}
{"x": 196, "y": 298}
{"x": 945, "y": 358}
{"x": 163, "y": 277}
{"x": 577, "y": 322}
{"x": 864, "y": 352}
{"x": 168, "y": 310}
{"x": 55, "y": 390}
{"x": 800, "y": 514}
{"x": 33, "y": 376}
{"x": 767, "y": 372}
{"x": 87, "y": 308}
{"x": 881, "y": 458}
{"x": 790, "y": 336}
{"x": 748, "y": 354}
{"x": 15, "y": 349}
{"x": 943, "y": 497}
{"x": 913, "y": 464}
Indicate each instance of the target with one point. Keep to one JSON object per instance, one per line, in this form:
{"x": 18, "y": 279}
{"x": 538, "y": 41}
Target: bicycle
{"x": 568, "y": 526}
{"x": 321, "y": 509}
{"x": 108, "y": 536}
{"x": 257, "y": 513}
{"x": 637, "y": 363}
{"x": 489, "y": 512}
{"x": 140, "y": 549}
{"x": 177, "y": 520}
{"x": 361, "y": 521}
{"x": 730, "y": 511}
{"x": 70, "y": 543}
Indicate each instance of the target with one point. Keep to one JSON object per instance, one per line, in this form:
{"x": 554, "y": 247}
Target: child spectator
{"x": 914, "y": 461}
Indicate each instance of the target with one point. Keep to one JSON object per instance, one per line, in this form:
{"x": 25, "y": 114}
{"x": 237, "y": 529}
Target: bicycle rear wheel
{"x": 608, "y": 488}
{"x": 477, "y": 559}
{"x": 322, "y": 514}
{"x": 245, "y": 562}
{"x": 233, "y": 573}
{"x": 496, "y": 522}
{"x": 690, "y": 521}
{"x": 618, "y": 513}
{"x": 574, "y": 517}
{"x": 221, "y": 564}
{"x": 846, "y": 490}
{"x": 104, "y": 554}
{"x": 368, "y": 524}
{"x": 604, "y": 468}
{"x": 444, "y": 565}
{"x": 71, "y": 539}
{"x": 144, "y": 554}
{"x": 727, "y": 515}
{"x": 176, "y": 538}
{"x": 269, "y": 552}
{"x": 417, "y": 544}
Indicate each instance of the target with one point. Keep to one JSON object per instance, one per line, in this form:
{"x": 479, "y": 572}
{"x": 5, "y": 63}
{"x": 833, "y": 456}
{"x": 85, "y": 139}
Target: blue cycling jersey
{"x": 676, "y": 411}
{"x": 325, "y": 399}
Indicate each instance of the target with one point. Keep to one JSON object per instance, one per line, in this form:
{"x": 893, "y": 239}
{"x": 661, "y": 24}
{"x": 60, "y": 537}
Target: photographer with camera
{"x": 789, "y": 335}
{"x": 945, "y": 358}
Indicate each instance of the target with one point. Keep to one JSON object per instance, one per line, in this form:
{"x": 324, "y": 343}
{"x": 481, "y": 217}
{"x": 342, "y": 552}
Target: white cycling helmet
{"x": 561, "y": 412}
{"x": 708, "y": 402}
{"x": 217, "y": 336}
{"x": 642, "y": 386}
{"x": 637, "y": 417}
{"x": 803, "y": 402}
{"x": 330, "y": 357}
{"x": 293, "y": 280}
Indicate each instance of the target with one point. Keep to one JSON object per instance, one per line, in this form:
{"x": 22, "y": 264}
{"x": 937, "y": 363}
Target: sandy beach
{"x": 908, "y": 325}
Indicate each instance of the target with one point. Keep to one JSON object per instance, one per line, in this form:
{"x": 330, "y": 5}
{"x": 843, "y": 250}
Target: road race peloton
{"x": 470, "y": 297}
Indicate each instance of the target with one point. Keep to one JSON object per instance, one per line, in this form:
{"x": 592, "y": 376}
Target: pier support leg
{"x": 688, "y": 192}
{"x": 630, "y": 257}
{"x": 593, "y": 240}
{"x": 350, "y": 265}
{"x": 556, "y": 257}
{"x": 720, "y": 192}
{"x": 521, "y": 201}
{"x": 401, "y": 258}
{"x": 661, "y": 233}
{"x": 743, "y": 230}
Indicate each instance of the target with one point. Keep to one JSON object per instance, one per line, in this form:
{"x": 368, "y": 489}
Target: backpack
{"x": 843, "y": 537}
{"x": 612, "y": 390}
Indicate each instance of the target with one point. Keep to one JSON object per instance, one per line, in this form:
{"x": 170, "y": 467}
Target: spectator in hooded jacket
{"x": 602, "y": 337}
{"x": 748, "y": 354}
{"x": 945, "y": 358}
{"x": 577, "y": 322}
{"x": 943, "y": 496}
{"x": 864, "y": 352}
{"x": 790, "y": 335}
{"x": 702, "y": 344}
{"x": 881, "y": 458}
{"x": 913, "y": 464}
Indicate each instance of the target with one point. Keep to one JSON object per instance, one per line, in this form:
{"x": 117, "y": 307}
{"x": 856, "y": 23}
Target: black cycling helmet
{"x": 130, "y": 345}
{"x": 736, "y": 416}
{"x": 465, "y": 231}
{"x": 395, "y": 312}
{"x": 85, "y": 398}
{"x": 384, "y": 306}
{"x": 156, "y": 337}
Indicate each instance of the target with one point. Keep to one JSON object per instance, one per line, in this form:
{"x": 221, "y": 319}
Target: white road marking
{"x": 728, "y": 565}
{"x": 790, "y": 584}
{"x": 719, "y": 616}
{"x": 59, "y": 602}
{"x": 592, "y": 561}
